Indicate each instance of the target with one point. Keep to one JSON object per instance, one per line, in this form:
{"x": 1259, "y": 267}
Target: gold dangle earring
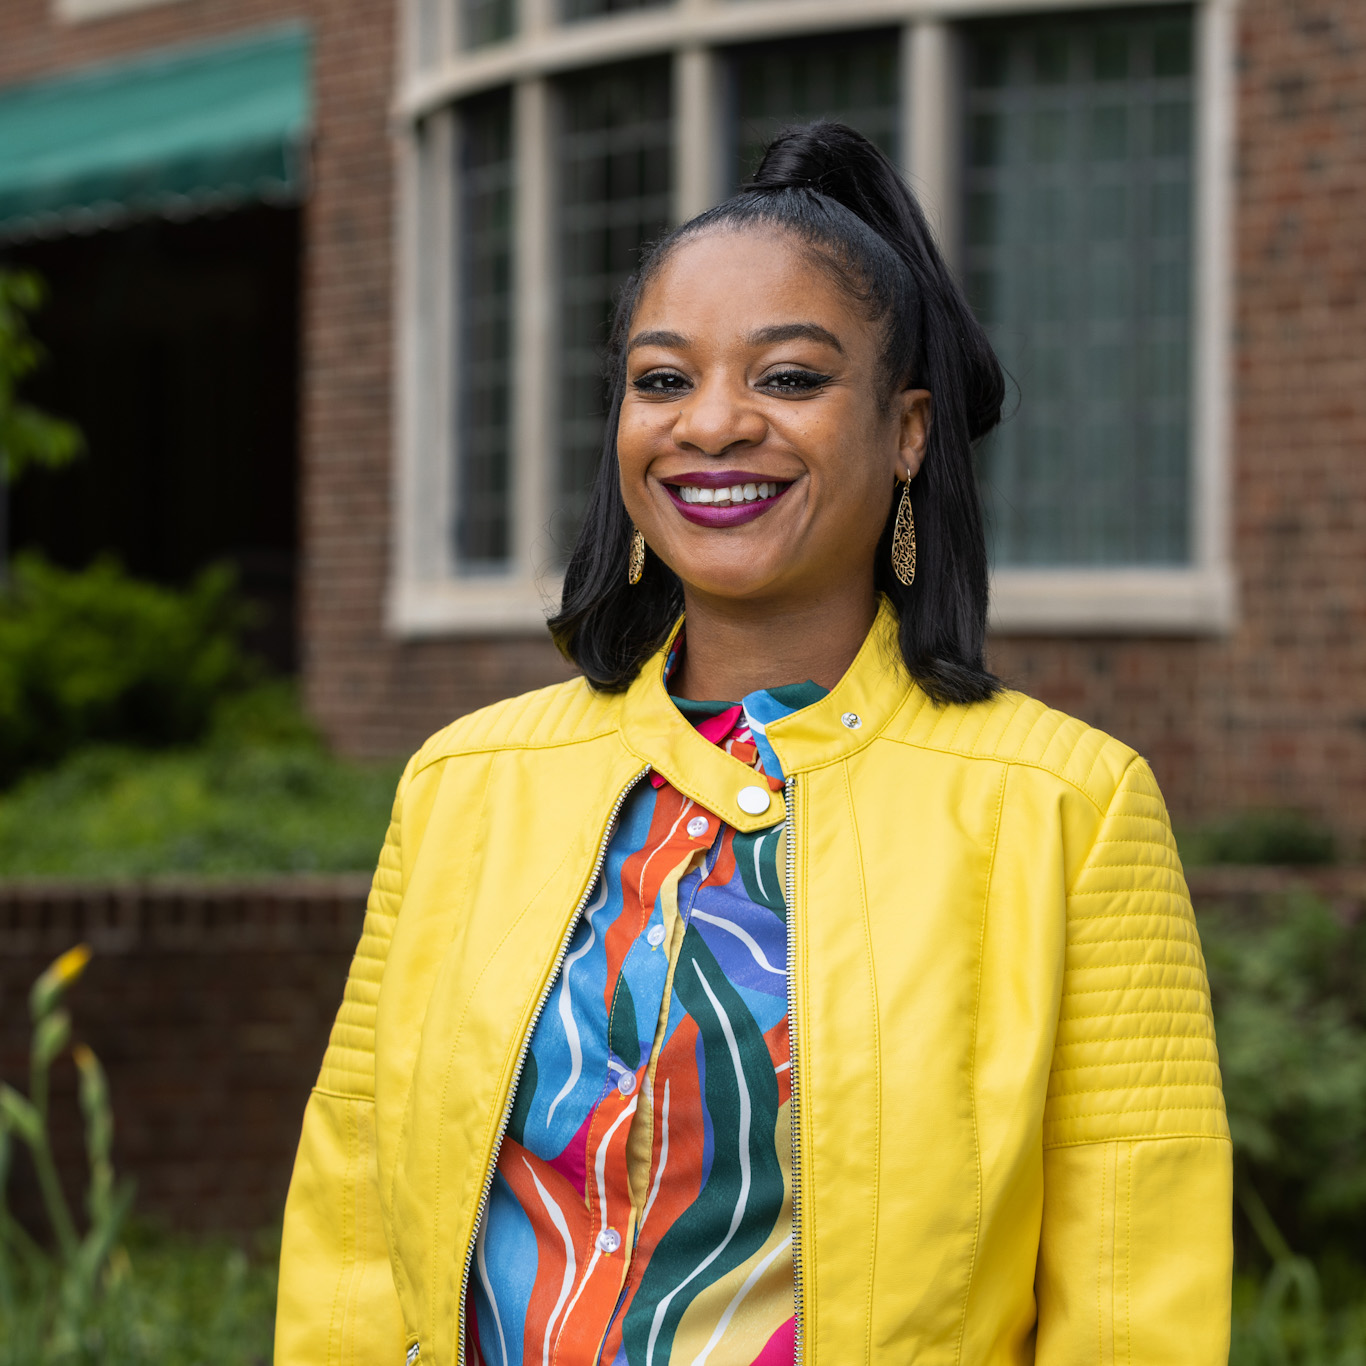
{"x": 903, "y": 538}
{"x": 635, "y": 566}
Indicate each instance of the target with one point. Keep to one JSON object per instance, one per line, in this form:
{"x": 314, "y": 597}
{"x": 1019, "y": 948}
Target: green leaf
{"x": 17, "y": 1115}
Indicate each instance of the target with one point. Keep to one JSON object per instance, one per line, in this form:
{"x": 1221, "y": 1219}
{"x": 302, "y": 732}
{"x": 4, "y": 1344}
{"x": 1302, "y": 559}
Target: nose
{"x": 717, "y": 416}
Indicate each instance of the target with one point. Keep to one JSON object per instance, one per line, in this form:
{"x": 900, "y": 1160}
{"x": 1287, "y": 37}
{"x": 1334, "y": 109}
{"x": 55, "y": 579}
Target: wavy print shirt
{"x": 640, "y": 1211}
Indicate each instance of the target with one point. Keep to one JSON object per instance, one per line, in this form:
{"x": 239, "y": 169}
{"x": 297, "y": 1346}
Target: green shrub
{"x": 1290, "y": 1014}
{"x": 1250, "y": 837}
{"x": 98, "y": 656}
{"x": 260, "y": 794}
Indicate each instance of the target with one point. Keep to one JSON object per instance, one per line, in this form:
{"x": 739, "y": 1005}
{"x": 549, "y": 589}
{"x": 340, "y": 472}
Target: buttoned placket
{"x": 628, "y": 1098}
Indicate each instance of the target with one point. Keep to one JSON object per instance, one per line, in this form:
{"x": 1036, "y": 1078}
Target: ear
{"x": 914, "y": 431}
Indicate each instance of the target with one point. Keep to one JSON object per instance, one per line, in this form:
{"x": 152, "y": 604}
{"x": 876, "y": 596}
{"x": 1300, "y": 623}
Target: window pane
{"x": 486, "y": 21}
{"x": 588, "y": 9}
{"x": 1077, "y": 248}
{"x": 485, "y": 210}
{"x": 614, "y": 162}
{"x": 851, "y": 79}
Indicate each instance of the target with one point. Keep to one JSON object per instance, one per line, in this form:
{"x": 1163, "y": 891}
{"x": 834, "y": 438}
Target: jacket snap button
{"x": 753, "y": 801}
{"x": 608, "y": 1241}
{"x": 852, "y": 720}
{"x": 697, "y": 827}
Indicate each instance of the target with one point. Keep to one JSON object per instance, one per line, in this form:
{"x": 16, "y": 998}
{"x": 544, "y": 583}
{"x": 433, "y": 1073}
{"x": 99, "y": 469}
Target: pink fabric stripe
{"x": 572, "y": 1163}
{"x": 780, "y": 1348}
{"x": 716, "y": 728}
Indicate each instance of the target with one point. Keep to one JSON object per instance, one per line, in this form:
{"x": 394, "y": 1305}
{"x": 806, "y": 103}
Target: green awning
{"x": 175, "y": 132}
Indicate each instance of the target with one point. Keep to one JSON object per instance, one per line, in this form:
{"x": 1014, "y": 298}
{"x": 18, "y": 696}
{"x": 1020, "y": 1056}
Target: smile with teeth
{"x": 733, "y": 496}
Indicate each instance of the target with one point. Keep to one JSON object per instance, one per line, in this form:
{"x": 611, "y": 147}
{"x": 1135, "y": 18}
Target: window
{"x": 1075, "y": 160}
{"x": 1077, "y": 256}
{"x": 853, "y": 80}
{"x": 613, "y": 163}
{"x": 484, "y": 185}
{"x": 486, "y": 21}
{"x": 588, "y": 9}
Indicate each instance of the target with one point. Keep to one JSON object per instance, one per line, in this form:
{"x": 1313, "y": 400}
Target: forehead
{"x": 741, "y": 281}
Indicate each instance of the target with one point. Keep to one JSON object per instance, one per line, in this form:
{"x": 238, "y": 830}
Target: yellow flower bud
{"x": 47, "y": 990}
{"x": 71, "y": 964}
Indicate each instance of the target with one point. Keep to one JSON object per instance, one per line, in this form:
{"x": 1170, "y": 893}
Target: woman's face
{"x": 757, "y": 453}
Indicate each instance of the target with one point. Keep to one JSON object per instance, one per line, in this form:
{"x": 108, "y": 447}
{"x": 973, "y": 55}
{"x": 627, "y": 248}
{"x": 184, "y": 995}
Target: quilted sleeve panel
{"x": 349, "y": 1064}
{"x": 1134, "y": 1055}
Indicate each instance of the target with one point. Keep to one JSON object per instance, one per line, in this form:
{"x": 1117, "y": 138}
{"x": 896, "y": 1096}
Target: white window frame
{"x": 79, "y": 11}
{"x": 427, "y": 596}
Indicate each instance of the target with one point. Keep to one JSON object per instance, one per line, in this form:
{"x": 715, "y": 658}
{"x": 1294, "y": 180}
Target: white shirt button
{"x": 626, "y": 1083}
{"x": 655, "y": 936}
{"x": 852, "y": 720}
{"x": 698, "y": 826}
{"x": 753, "y": 801}
{"x": 608, "y": 1241}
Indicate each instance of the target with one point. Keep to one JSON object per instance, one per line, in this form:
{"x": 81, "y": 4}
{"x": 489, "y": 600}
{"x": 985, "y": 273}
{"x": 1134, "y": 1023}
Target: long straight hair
{"x": 851, "y": 210}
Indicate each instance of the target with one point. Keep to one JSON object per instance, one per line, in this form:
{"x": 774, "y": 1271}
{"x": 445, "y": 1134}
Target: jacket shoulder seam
{"x": 1010, "y": 761}
{"x": 507, "y": 746}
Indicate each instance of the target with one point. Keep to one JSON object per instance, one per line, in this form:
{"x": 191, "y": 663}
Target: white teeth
{"x": 736, "y": 493}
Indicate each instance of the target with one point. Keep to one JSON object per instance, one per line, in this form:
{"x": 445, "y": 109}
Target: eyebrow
{"x": 674, "y": 339}
{"x": 765, "y": 336}
{"x": 781, "y": 332}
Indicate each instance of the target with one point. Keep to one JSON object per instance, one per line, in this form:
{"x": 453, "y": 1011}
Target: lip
{"x": 708, "y": 514}
{"x": 722, "y": 479}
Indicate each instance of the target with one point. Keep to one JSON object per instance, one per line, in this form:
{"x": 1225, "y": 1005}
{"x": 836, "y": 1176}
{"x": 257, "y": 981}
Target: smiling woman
{"x": 784, "y": 989}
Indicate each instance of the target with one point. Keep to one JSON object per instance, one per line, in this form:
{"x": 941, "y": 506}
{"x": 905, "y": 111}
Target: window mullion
{"x": 533, "y": 347}
{"x": 929, "y": 137}
{"x": 697, "y": 156}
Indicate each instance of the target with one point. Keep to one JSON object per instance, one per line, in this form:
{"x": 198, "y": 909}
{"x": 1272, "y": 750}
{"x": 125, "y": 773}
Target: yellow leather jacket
{"x": 1009, "y": 1140}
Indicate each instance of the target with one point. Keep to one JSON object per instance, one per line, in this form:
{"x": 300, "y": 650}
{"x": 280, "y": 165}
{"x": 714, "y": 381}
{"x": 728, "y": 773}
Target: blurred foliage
{"x": 58, "y": 1283}
{"x": 98, "y": 656}
{"x": 164, "y": 1299}
{"x": 1258, "y": 837}
{"x": 259, "y": 794}
{"x": 1289, "y": 988}
{"x": 106, "y": 1296}
{"x": 1290, "y": 1013}
{"x": 27, "y": 435}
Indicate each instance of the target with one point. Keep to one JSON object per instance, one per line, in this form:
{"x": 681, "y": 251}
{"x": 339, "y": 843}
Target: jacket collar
{"x": 868, "y": 695}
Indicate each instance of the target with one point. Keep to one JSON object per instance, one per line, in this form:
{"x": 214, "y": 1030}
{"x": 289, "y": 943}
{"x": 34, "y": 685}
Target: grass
{"x": 167, "y": 1298}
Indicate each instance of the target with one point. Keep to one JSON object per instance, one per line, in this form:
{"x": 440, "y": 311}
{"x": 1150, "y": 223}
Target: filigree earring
{"x": 903, "y": 538}
{"x": 635, "y": 566}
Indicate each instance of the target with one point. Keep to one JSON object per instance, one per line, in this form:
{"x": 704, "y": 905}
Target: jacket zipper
{"x": 526, "y": 1048}
{"x": 790, "y": 796}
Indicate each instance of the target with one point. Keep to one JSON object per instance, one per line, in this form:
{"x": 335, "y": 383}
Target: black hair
{"x": 841, "y": 197}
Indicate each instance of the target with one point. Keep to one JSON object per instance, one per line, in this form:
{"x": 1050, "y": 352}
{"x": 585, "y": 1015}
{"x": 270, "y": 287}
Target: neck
{"x": 736, "y": 648}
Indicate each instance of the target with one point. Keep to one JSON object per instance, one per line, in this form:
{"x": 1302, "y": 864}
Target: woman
{"x": 784, "y": 987}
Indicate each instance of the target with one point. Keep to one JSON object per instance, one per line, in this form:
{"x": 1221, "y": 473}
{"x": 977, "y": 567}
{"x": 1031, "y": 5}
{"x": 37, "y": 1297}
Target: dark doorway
{"x": 175, "y": 347}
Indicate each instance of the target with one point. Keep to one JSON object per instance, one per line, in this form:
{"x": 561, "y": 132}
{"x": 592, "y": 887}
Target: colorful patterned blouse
{"x": 640, "y": 1211}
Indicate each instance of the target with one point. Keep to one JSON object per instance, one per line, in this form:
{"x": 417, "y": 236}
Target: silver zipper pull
{"x": 414, "y": 1352}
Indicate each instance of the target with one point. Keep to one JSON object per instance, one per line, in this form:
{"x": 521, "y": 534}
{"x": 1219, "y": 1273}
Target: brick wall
{"x": 209, "y": 1006}
{"x": 1274, "y": 714}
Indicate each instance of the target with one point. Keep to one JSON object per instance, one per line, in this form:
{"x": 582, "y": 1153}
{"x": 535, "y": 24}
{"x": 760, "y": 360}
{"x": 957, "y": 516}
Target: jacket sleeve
{"x": 1135, "y": 1259}
{"x": 337, "y": 1303}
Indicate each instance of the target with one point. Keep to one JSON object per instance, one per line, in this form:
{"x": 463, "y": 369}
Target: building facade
{"x": 1157, "y": 210}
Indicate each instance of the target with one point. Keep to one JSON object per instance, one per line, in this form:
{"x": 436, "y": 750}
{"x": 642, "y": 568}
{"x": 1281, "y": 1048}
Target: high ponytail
{"x": 835, "y": 191}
